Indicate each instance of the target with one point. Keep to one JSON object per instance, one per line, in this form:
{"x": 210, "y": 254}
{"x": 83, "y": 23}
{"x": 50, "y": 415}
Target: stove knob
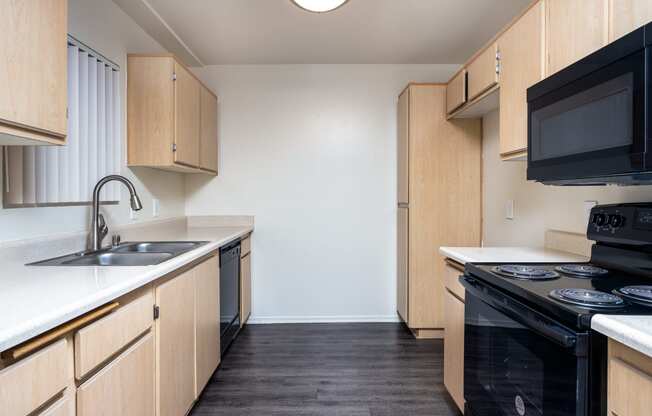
{"x": 616, "y": 220}
{"x": 599, "y": 219}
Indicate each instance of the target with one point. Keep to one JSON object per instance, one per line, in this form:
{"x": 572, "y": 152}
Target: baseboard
{"x": 256, "y": 320}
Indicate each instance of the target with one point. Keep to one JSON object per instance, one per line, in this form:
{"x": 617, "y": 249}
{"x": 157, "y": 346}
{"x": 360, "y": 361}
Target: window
{"x": 38, "y": 176}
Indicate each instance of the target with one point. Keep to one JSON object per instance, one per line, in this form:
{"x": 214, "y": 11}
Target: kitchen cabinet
{"x": 124, "y": 387}
{"x": 164, "y": 116}
{"x": 207, "y": 325}
{"x": 454, "y": 348}
{"x": 627, "y": 15}
{"x": 208, "y": 131}
{"x": 629, "y": 390}
{"x": 65, "y": 406}
{"x": 33, "y": 72}
{"x": 483, "y": 72}
{"x": 175, "y": 345}
{"x": 36, "y": 379}
{"x": 444, "y": 204}
{"x": 245, "y": 282}
{"x": 456, "y": 92}
{"x": 402, "y": 149}
{"x": 574, "y": 29}
{"x": 521, "y": 63}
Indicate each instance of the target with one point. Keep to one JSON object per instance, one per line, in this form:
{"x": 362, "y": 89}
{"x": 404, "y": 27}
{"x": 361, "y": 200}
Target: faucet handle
{"x": 115, "y": 240}
{"x": 102, "y": 228}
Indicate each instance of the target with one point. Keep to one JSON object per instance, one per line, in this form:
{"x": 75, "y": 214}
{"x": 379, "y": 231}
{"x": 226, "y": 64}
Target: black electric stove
{"x": 529, "y": 347}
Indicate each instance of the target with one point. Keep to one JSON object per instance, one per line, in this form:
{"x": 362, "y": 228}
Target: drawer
{"x": 124, "y": 387}
{"x": 452, "y": 273}
{"x": 65, "y": 406}
{"x": 245, "y": 246}
{"x": 103, "y": 338}
{"x": 32, "y": 381}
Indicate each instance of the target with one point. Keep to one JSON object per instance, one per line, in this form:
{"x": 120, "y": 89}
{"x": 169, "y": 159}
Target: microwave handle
{"x": 521, "y": 313}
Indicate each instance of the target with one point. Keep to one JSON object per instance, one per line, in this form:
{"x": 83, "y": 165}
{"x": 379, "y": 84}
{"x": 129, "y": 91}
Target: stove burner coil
{"x": 582, "y": 270}
{"x": 588, "y": 298}
{"x": 525, "y": 272}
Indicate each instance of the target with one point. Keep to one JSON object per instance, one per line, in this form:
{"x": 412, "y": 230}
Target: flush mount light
{"x": 319, "y": 6}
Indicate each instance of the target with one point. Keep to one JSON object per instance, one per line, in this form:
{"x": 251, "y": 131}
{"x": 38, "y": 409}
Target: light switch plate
{"x": 156, "y": 207}
{"x": 509, "y": 209}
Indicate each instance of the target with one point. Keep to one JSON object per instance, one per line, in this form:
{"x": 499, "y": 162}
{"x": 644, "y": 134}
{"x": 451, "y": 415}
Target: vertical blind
{"x": 65, "y": 175}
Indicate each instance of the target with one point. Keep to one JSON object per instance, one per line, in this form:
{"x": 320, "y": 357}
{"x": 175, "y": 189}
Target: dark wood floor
{"x": 328, "y": 369}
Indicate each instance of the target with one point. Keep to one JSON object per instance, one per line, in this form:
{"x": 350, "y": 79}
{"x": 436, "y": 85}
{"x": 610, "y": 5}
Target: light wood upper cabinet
{"x": 164, "y": 112}
{"x": 403, "y": 146}
{"x": 33, "y": 72}
{"x": 629, "y": 389}
{"x": 521, "y": 62}
{"x": 208, "y": 131}
{"x": 627, "y": 15}
{"x": 482, "y": 72}
{"x": 574, "y": 29}
{"x": 124, "y": 387}
{"x": 175, "y": 345}
{"x": 454, "y": 348}
{"x": 207, "y": 320}
{"x": 456, "y": 92}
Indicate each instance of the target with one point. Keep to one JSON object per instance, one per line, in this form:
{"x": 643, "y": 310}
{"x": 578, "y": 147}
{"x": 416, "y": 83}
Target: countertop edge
{"x": 36, "y": 327}
{"x": 627, "y": 334}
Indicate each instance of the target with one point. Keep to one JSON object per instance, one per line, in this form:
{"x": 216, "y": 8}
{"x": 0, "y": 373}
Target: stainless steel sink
{"x": 126, "y": 254}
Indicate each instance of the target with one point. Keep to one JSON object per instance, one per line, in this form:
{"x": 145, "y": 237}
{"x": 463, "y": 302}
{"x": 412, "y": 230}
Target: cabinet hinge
{"x": 174, "y": 76}
{"x": 157, "y": 312}
{"x": 174, "y": 147}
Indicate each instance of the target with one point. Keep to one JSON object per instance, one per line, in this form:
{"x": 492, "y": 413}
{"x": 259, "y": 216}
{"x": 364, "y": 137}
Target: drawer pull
{"x": 36, "y": 343}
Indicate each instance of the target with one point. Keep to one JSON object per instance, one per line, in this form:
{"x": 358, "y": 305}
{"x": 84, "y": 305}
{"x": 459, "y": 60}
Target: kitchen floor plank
{"x": 328, "y": 370}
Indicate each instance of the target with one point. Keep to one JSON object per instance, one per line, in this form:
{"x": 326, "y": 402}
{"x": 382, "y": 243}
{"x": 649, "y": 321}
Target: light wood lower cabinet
{"x": 245, "y": 288}
{"x": 454, "y": 347}
{"x": 207, "y": 321}
{"x": 402, "y": 264}
{"x": 124, "y": 387}
{"x": 65, "y": 406}
{"x": 175, "y": 345}
{"x": 629, "y": 389}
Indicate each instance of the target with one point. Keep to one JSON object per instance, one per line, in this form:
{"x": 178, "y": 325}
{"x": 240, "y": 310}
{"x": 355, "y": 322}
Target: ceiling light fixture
{"x": 319, "y": 6}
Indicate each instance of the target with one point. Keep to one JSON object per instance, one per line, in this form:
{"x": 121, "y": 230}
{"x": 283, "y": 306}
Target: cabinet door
{"x": 207, "y": 320}
{"x": 521, "y": 66}
{"x": 208, "y": 145}
{"x": 124, "y": 387}
{"x": 175, "y": 345}
{"x": 575, "y": 28}
{"x": 403, "y": 161}
{"x": 456, "y": 92}
{"x": 402, "y": 265}
{"x": 627, "y": 15}
{"x": 483, "y": 72}
{"x": 65, "y": 406}
{"x": 245, "y": 288}
{"x": 33, "y": 68}
{"x": 454, "y": 348}
{"x": 186, "y": 109}
{"x": 629, "y": 390}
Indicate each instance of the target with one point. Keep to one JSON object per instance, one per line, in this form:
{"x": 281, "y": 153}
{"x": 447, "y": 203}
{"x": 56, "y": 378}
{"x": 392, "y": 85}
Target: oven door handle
{"x": 522, "y": 314}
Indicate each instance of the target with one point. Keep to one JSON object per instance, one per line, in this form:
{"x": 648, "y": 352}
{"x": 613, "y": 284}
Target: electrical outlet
{"x": 156, "y": 207}
{"x": 509, "y": 209}
{"x": 587, "y": 208}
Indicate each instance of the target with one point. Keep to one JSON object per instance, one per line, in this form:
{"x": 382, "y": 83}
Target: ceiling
{"x": 360, "y": 32}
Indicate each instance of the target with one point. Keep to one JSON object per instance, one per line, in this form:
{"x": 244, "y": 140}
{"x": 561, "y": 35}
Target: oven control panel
{"x": 621, "y": 223}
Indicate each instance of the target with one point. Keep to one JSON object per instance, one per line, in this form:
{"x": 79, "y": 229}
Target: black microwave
{"x": 588, "y": 123}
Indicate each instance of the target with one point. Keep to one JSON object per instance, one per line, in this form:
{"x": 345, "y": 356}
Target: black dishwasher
{"x": 229, "y": 294}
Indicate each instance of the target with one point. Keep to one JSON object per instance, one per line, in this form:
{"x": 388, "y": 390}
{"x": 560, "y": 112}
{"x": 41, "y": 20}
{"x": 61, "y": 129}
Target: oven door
{"x": 586, "y": 124}
{"x": 519, "y": 362}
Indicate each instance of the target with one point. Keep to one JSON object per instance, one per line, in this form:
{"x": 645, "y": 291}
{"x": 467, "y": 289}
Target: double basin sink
{"x": 125, "y": 254}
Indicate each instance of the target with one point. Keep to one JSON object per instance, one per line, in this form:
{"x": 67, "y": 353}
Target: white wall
{"x": 103, "y": 26}
{"x": 310, "y": 150}
{"x": 536, "y": 207}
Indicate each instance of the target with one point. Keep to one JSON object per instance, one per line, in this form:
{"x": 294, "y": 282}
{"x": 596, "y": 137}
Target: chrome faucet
{"x": 99, "y": 229}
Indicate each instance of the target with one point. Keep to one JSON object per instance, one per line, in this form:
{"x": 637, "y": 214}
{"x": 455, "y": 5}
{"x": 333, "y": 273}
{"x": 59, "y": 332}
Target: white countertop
{"x": 633, "y": 331}
{"x": 34, "y": 299}
{"x": 509, "y": 254}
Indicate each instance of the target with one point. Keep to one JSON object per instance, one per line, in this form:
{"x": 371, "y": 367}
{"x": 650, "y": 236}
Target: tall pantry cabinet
{"x": 439, "y": 200}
